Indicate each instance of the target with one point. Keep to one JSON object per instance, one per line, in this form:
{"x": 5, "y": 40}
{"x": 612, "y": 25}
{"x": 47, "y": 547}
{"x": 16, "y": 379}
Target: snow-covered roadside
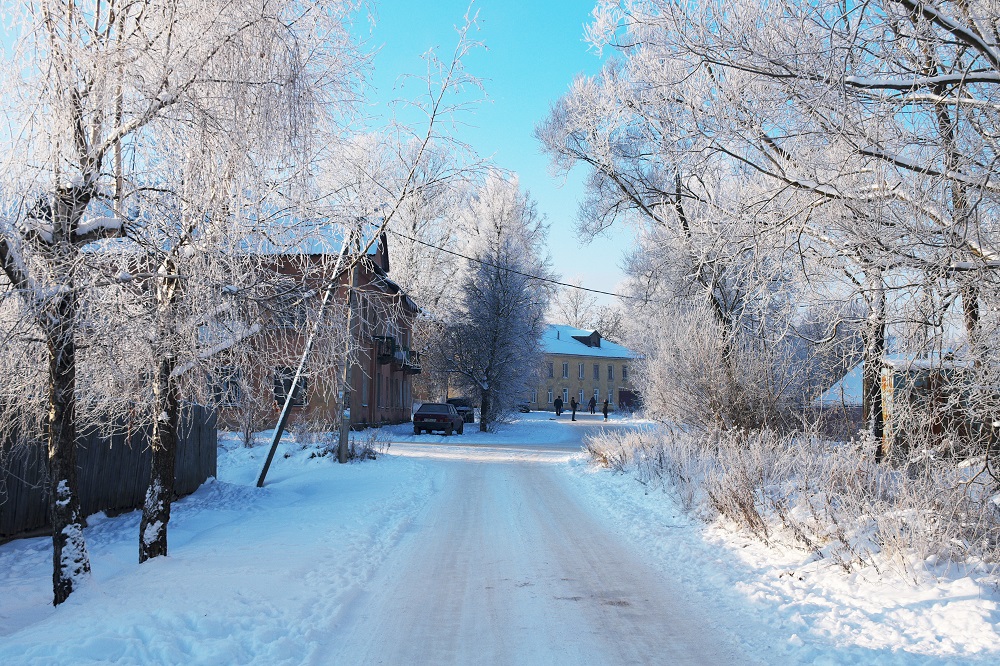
{"x": 254, "y": 575}
{"x": 810, "y": 611}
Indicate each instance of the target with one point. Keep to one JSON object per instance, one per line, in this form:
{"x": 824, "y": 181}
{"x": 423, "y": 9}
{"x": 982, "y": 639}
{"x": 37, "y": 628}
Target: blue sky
{"x": 533, "y": 51}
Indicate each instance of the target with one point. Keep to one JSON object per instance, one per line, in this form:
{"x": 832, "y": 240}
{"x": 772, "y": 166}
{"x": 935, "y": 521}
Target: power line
{"x": 515, "y": 272}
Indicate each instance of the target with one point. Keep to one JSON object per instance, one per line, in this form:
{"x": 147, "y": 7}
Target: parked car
{"x": 441, "y": 416}
{"x": 464, "y": 408}
{"x": 524, "y": 407}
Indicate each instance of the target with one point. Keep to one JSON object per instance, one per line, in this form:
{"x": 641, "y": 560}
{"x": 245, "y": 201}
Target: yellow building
{"x": 580, "y": 364}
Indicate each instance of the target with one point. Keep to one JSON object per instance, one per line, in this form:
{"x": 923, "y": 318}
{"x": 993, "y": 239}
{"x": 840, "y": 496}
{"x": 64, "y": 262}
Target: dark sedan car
{"x": 437, "y": 416}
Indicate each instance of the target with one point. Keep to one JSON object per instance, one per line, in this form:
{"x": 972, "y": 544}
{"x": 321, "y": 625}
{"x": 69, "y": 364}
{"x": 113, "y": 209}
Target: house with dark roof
{"x": 581, "y": 364}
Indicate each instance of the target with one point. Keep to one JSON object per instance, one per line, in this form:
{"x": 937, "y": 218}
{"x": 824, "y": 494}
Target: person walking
{"x": 573, "y": 404}
{"x": 604, "y": 410}
{"x": 558, "y": 403}
{"x": 593, "y": 405}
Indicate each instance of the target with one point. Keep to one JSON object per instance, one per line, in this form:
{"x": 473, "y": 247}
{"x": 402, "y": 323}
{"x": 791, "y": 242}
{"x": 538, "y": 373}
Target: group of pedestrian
{"x": 574, "y": 405}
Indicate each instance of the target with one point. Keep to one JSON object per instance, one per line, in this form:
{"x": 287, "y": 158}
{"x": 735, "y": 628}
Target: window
{"x": 611, "y": 373}
{"x": 624, "y": 373}
{"x": 565, "y": 395}
{"x": 597, "y": 371}
{"x": 365, "y": 387}
{"x": 565, "y": 370}
{"x": 581, "y": 371}
{"x": 283, "y": 377}
{"x": 534, "y": 396}
{"x": 550, "y": 396}
{"x": 226, "y": 386}
{"x": 580, "y": 399}
{"x": 597, "y": 394}
{"x": 550, "y": 371}
{"x": 289, "y": 305}
{"x": 610, "y": 396}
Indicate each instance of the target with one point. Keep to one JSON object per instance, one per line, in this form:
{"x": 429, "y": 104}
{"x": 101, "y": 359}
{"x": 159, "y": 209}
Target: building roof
{"x": 566, "y": 340}
{"x": 305, "y": 237}
{"x": 848, "y": 389}
{"x": 846, "y": 392}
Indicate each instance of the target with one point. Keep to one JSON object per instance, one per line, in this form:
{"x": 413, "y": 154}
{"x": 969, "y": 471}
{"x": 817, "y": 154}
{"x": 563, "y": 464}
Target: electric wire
{"x": 516, "y": 272}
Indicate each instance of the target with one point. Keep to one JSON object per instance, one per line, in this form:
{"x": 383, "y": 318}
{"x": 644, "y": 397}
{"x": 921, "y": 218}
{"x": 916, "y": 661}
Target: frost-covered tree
{"x": 574, "y": 306}
{"x": 865, "y": 130}
{"x": 87, "y": 93}
{"x": 494, "y": 343}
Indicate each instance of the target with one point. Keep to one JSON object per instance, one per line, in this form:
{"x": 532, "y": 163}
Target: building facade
{"x": 581, "y": 364}
{"x": 380, "y": 337}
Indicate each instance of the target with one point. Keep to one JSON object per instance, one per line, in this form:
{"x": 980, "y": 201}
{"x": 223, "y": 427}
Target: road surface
{"x": 506, "y": 567}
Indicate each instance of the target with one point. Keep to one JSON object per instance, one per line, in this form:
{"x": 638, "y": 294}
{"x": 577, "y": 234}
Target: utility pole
{"x": 331, "y": 287}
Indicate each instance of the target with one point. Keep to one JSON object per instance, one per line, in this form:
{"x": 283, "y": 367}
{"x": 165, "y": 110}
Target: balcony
{"x": 406, "y": 360}
{"x": 385, "y": 349}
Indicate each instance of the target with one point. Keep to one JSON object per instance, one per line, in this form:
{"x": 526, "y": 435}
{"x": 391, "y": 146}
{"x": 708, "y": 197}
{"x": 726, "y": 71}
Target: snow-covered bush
{"x": 827, "y": 497}
{"x": 315, "y": 431}
{"x": 368, "y": 444}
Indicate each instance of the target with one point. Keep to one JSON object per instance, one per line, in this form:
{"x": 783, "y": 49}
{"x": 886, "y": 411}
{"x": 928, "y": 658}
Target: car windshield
{"x": 433, "y": 409}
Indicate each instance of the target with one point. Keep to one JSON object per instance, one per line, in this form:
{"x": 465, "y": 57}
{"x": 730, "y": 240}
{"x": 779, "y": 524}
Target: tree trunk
{"x": 160, "y": 493}
{"x": 69, "y": 552}
{"x": 874, "y": 350}
{"x": 485, "y": 411}
{"x": 970, "y": 315}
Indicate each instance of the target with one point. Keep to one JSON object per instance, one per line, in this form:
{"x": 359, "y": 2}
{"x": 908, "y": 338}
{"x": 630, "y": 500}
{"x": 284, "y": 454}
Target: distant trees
{"x": 574, "y": 306}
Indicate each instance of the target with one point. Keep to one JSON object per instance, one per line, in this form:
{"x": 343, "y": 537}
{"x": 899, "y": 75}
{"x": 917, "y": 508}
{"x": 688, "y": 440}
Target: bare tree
{"x": 495, "y": 342}
{"x": 104, "y": 80}
{"x": 574, "y": 307}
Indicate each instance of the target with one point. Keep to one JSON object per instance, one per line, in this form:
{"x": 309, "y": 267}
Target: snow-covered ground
{"x": 443, "y": 547}
{"x": 811, "y": 611}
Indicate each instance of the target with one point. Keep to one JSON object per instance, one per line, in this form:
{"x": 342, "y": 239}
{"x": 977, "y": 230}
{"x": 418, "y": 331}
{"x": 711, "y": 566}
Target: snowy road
{"x": 505, "y": 566}
{"x": 489, "y": 548}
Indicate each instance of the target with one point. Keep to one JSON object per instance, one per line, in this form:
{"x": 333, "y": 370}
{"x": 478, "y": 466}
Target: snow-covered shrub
{"x": 315, "y": 431}
{"x": 368, "y": 444}
{"x": 830, "y": 498}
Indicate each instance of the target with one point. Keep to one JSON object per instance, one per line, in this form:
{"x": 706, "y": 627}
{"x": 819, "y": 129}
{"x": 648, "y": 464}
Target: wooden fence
{"x": 112, "y": 472}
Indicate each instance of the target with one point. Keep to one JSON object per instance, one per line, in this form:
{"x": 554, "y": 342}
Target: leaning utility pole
{"x": 331, "y": 287}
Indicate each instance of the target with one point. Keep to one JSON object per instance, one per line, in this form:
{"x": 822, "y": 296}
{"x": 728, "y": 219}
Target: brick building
{"x": 382, "y": 334}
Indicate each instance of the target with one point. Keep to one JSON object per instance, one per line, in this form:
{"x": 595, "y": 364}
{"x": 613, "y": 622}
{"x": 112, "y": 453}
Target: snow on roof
{"x": 847, "y": 391}
{"x": 558, "y": 339}
{"x": 914, "y": 362}
{"x": 309, "y": 237}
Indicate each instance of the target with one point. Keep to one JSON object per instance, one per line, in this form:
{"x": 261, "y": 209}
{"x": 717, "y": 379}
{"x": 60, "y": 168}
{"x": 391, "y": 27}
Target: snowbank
{"x": 810, "y": 607}
{"x": 254, "y": 575}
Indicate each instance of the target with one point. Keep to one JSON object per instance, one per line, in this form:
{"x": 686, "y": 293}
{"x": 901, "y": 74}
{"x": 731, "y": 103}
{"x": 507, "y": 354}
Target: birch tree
{"x": 98, "y": 81}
